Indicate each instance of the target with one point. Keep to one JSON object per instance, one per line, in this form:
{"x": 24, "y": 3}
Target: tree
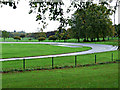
{"x": 22, "y": 35}
{"x": 0, "y": 33}
{"x": 41, "y": 39}
{"x": 38, "y": 34}
{"x": 16, "y": 34}
{"x": 11, "y": 35}
{"x": 118, "y": 29}
{"x": 118, "y": 34}
{"x": 57, "y": 34}
{"x": 17, "y": 38}
{"x": 30, "y": 35}
{"x": 64, "y": 36}
{"x": 42, "y": 34}
{"x": 5, "y": 34}
{"x": 53, "y": 8}
{"x": 53, "y": 37}
{"x": 69, "y": 31}
{"x": 91, "y": 21}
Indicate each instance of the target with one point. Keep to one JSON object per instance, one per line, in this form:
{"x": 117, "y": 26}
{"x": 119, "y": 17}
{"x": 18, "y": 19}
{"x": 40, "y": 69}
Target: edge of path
{"x": 96, "y": 48}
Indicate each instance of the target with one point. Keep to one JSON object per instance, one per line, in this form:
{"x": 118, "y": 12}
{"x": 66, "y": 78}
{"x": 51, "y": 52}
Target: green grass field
{"x": 23, "y": 50}
{"x": 99, "y": 76}
{"x": 102, "y": 76}
{"x": 110, "y": 41}
{"x": 60, "y": 61}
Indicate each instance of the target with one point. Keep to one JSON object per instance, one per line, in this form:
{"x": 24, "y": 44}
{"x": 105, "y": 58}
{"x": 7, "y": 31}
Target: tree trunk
{"x": 108, "y": 37}
{"x": 87, "y": 40}
{"x": 103, "y": 39}
{"x": 59, "y": 39}
{"x": 4, "y": 39}
{"x": 98, "y": 39}
{"x": 112, "y": 37}
{"x": 84, "y": 40}
{"x": 78, "y": 39}
{"x": 91, "y": 39}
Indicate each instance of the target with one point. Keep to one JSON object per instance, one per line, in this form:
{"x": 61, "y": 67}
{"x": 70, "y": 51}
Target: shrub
{"x": 17, "y": 38}
{"x": 41, "y": 39}
{"x": 30, "y": 39}
{"x": 22, "y": 35}
{"x": 68, "y": 37}
{"x": 53, "y": 37}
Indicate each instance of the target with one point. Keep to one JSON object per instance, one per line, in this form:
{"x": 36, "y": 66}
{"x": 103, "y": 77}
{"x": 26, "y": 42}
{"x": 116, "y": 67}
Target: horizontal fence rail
{"x": 58, "y": 62}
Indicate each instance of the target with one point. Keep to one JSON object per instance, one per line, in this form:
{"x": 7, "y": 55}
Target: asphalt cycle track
{"x": 96, "y": 48}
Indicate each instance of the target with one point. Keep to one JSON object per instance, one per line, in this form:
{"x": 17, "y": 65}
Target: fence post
{"x": 95, "y": 59}
{"x": 75, "y": 61}
{"x": 112, "y": 56}
{"x": 23, "y": 63}
{"x": 52, "y": 63}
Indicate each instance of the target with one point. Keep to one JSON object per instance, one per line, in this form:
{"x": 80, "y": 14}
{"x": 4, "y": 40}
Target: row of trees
{"x": 5, "y": 34}
{"x": 39, "y": 35}
{"x": 91, "y": 21}
{"x": 64, "y": 35}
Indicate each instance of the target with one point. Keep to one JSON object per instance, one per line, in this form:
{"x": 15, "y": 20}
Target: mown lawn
{"x": 115, "y": 40}
{"x": 109, "y": 42}
{"x": 24, "y": 50}
{"x": 60, "y": 61}
{"x": 99, "y": 76}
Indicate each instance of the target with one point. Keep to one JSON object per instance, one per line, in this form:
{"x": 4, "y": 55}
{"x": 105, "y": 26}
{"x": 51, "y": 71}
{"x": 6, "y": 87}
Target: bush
{"x": 30, "y": 39}
{"x": 17, "y": 38}
{"x": 68, "y": 37}
{"x": 41, "y": 39}
{"x": 22, "y": 35}
{"x": 53, "y": 37}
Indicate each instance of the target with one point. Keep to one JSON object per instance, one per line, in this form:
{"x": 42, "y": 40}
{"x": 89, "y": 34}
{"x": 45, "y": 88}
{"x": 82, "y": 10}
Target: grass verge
{"x": 25, "y": 50}
{"x": 60, "y": 61}
{"x": 100, "y": 76}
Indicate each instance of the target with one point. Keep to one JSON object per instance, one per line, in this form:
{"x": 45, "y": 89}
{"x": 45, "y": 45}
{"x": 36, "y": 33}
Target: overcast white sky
{"x": 19, "y": 19}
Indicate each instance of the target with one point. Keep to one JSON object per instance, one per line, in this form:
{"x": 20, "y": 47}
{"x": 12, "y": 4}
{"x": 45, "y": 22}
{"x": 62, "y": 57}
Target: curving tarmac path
{"x": 95, "y": 49}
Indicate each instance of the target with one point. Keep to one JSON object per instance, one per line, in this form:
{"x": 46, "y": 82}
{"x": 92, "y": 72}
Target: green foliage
{"x": 11, "y": 35}
{"x": 0, "y": 33}
{"x": 57, "y": 34}
{"x": 17, "y": 38}
{"x": 22, "y": 35}
{"x": 38, "y": 34}
{"x": 53, "y": 37}
{"x": 10, "y": 3}
{"x": 117, "y": 29}
{"x": 16, "y": 34}
{"x": 5, "y": 34}
{"x": 91, "y": 21}
{"x": 54, "y": 8}
{"x": 91, "y": 18}
{"x": 64, "y": 36}
{"x": 41, "y": 38}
